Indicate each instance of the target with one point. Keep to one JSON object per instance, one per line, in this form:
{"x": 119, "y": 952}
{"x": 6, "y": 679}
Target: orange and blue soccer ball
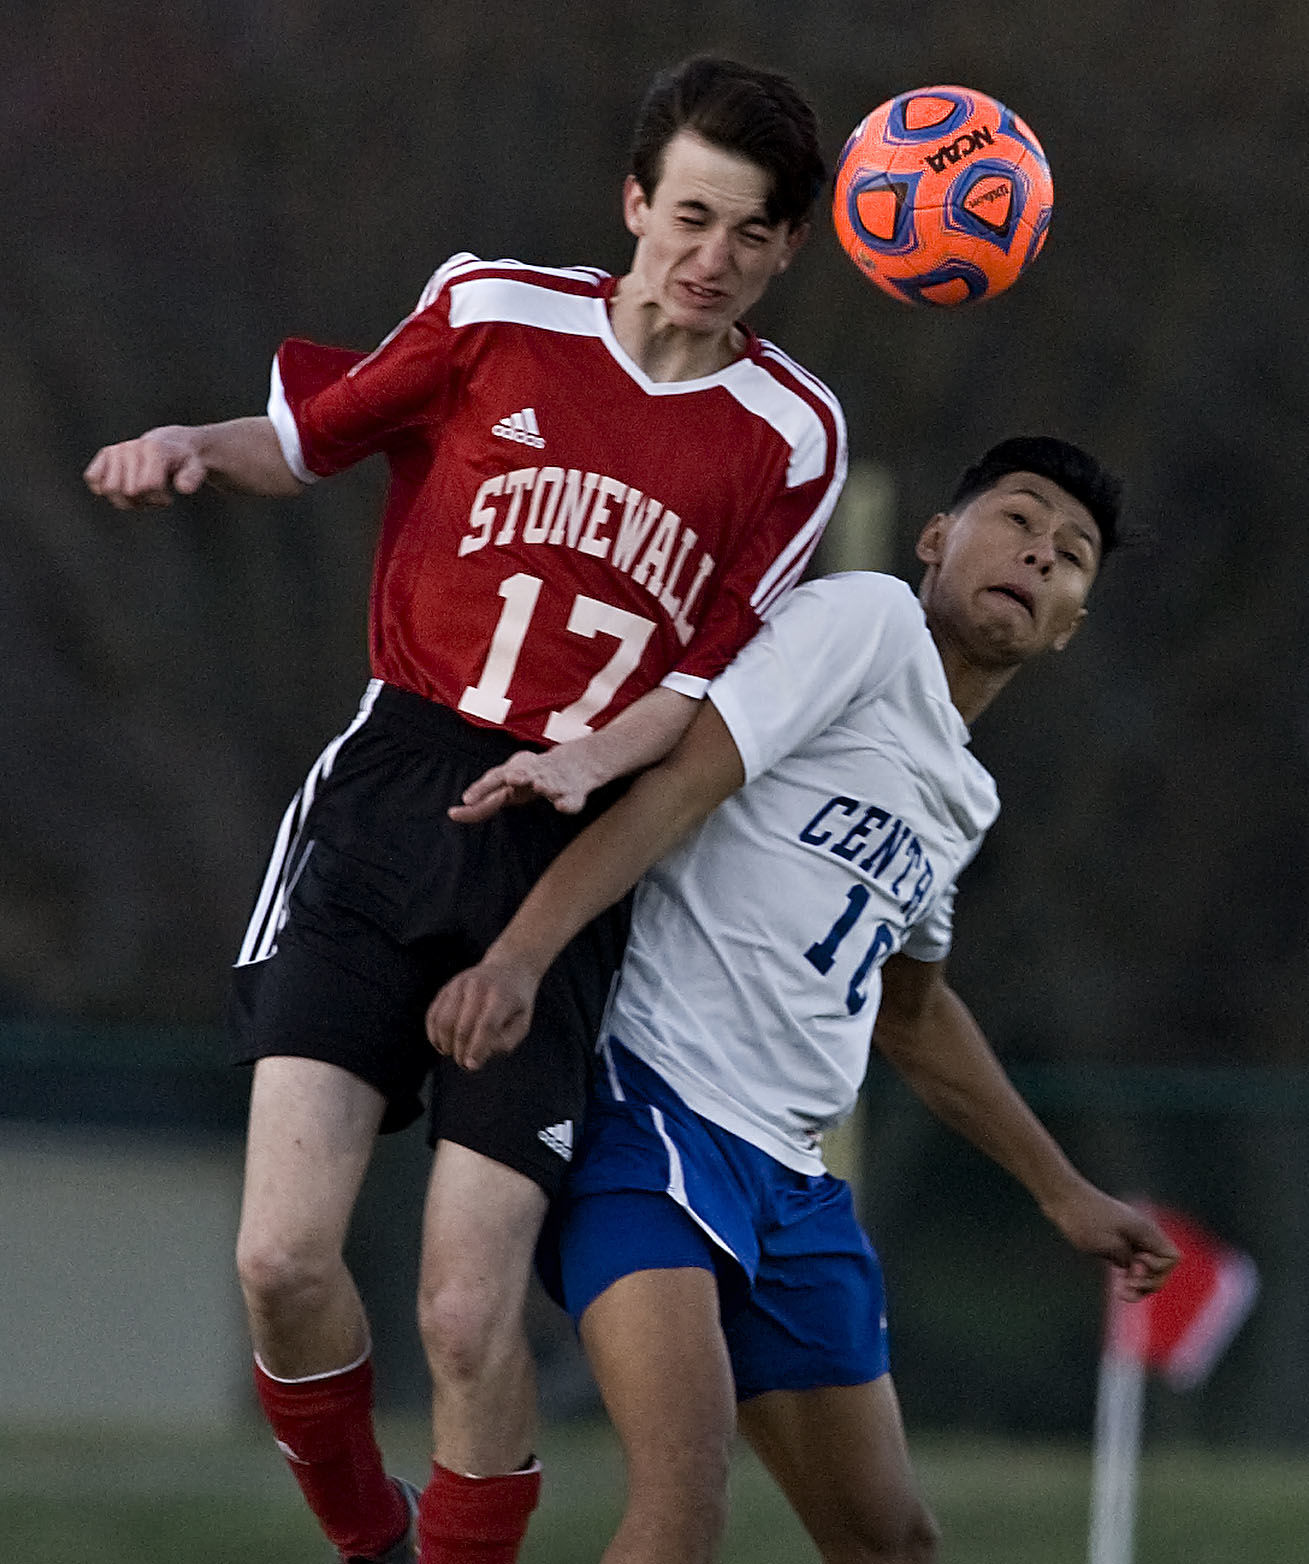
{"x": 943, "y": 196}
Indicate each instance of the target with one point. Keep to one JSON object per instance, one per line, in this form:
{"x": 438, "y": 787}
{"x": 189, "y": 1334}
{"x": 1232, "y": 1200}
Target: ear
{"x": 1062, "y": 640}
{"x": 931, "y": 540}
{"x": 635, "y": 206}
{"x": 795, "y": 237}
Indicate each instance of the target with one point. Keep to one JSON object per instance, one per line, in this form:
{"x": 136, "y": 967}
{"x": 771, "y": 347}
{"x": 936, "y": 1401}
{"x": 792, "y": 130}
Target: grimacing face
{"x": 1009, "y": 573}
{"x": 705, "y": 249}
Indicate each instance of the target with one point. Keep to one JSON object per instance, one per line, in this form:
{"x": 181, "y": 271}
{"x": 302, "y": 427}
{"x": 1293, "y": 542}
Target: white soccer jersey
{"x": 752, "y": 975}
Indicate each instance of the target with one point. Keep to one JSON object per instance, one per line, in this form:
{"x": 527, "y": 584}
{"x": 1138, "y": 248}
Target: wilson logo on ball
{"x": 943, "y": 196}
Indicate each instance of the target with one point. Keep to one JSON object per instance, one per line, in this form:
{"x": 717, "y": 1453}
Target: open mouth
{"x": 1017, "y": 595}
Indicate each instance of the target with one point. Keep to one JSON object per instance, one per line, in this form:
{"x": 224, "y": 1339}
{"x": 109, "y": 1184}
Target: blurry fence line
{"x": 163, "y": 1079}
{"x": 994, "y": 1324}
{"x": 54, "y": 1071}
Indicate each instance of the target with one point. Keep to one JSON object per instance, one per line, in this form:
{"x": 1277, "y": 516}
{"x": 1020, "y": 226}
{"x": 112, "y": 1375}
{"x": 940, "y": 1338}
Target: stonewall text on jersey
{"x": 570, "y": 508}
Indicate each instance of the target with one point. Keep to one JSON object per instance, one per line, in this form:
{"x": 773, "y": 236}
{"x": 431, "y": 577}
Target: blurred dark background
{"x": 184, "y": 186}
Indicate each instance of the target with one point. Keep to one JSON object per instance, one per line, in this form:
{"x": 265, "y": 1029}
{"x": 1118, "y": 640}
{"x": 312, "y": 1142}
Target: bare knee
{"x": 914, "y": 1538}
{"x": 467, "y": 1332}
{"x": 677, "y": 1498}
{"x": 281, "y": 1279}
{"x": 920, "y": 1543}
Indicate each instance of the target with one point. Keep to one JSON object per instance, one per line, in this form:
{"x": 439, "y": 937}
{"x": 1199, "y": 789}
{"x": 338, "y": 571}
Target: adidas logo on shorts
{"x": 559, "y": 1138}
{"x": 522, "y": 427}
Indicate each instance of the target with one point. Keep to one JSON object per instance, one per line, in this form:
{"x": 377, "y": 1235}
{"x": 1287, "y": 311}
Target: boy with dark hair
{"x": 800, "y": 849}
{"x": 1072, "y": 469}
{"x": 757, "y": 114}
{"x": 599, "y": 486}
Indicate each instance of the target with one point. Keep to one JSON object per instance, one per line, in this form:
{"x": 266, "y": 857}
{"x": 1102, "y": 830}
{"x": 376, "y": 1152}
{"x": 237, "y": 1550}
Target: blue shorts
{"x": 655, "y": 1186}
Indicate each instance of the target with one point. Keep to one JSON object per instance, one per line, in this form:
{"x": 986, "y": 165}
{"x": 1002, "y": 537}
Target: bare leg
{"x": 479, "y": 1235}
{"x": 312, "y": 1127}
{"x": 840, "y": 1457}
{"x": 659, "y": 1358}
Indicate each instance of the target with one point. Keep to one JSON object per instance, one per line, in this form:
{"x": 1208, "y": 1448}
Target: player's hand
{"x": 148, "y": 470}
{"x": 559, "y": 776}
{"x": 1130, "y": 1240}
{"x": 483, "y": 1011}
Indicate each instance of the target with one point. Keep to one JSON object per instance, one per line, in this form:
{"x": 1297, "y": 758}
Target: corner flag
{"x": 1180, "y": 1332}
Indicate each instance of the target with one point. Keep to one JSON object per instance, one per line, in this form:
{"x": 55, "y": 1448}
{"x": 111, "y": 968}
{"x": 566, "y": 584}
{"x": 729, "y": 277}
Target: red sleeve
{"x": 341, "y": 406}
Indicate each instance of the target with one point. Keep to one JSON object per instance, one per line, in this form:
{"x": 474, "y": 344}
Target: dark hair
{"x": 758, "y": 114}
{"x": 1076, "y": 472}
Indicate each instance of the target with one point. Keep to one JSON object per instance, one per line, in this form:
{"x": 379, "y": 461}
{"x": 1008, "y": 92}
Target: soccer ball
{"x": 943, "y": 196}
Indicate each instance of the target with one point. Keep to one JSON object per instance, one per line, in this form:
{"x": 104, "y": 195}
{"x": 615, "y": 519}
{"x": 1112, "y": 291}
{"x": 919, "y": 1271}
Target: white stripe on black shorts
{"x": 373, "y": 897}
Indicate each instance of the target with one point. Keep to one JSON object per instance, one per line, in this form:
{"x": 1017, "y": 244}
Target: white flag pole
{"x": 1208, "y": 1297}
{"x": 1117, "y": 1448}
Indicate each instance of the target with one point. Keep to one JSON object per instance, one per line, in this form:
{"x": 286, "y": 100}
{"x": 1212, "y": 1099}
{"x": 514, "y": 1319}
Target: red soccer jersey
{"x": 562, "y": 533}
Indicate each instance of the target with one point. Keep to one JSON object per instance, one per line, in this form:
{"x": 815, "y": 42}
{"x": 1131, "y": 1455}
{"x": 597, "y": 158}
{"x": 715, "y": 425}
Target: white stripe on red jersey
{"x": 561, "y": 532}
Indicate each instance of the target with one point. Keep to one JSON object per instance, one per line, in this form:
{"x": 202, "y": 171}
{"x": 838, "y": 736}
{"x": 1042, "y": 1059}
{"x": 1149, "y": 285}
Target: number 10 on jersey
{"x": 822, "y": 954}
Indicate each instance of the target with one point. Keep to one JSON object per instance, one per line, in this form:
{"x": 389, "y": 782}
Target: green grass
{"x": 110, "y": 1496}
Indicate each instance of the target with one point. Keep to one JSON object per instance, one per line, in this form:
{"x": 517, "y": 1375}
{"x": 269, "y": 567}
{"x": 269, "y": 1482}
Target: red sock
{"x": 324, "y": 1428}
{"x": 476, "y": 1520}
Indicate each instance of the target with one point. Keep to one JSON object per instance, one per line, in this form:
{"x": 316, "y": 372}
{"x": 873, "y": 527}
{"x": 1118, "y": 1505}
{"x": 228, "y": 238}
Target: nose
{"x": 715, "y": 252}
{"x": 1040, "y": 553}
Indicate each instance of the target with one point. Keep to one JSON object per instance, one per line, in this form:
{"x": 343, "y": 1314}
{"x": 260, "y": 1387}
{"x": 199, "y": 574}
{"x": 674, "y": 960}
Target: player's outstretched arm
{"x": 487, "y": 1009}
{"x": 569, "y": 773}
{"x": 242, "y": 454}
{"x": 928, "y": 1034}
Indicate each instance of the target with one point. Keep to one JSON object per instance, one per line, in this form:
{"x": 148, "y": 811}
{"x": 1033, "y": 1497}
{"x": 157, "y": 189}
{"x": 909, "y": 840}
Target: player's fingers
{"x": 93, "y": 474}
{"x": 1151, "y": 1245}
{"x": 484, "y": 1025}
{"x": 147, "y": 474}
{"x": 129, "y": 476}
{"x": 432, "y": 1023}
{"x": 516, "y": 772}
{"x": 190, "y": 476}
{"x": 443, "y": 1016}
{"x": 468, "y": 1012}
{"x": 523, "y": 768}
{"x": 503, "y": 797}
{"x": 103, "y": 477}
{"x": 470, "y": 812}
{"x": 463, "y": 1021}
{"x": 497, "y": 1031}
{"x": 1133, "y": 1287}
{"x": 487, "y": 785}
{"x": 1147, "y": 1270}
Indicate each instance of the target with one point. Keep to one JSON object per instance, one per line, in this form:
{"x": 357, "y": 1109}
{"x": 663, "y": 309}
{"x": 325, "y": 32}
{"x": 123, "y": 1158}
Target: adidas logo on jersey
{"x": 559, "y": 1138}
{"x": 522, "y": 427}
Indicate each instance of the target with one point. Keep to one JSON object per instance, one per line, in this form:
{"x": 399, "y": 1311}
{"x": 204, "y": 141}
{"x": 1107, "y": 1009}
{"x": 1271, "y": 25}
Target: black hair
{"x": 1076, "y": 471}
{"x": 758, "y": 114}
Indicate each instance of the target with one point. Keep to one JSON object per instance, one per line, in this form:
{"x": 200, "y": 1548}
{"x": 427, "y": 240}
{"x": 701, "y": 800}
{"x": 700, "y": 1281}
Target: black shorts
{"x": 374, "y": 898}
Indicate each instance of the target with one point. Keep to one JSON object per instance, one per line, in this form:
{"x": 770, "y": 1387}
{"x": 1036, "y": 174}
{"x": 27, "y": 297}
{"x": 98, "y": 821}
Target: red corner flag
{"x": 1180, "y": 1332}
